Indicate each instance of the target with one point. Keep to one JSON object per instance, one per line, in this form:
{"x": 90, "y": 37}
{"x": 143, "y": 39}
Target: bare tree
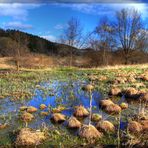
{"x": 18, "y": 40}
{"x": 128, "y": 31}
{"x": 72, "y": 36}
{"x": 106, "y": 41}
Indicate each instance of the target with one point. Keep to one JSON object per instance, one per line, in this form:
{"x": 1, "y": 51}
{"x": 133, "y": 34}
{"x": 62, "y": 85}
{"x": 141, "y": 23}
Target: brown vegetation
{"x": 73, "y": 123}
{"x": 3, "y": 126}
{"x": 134, "y": 127}
{"x": 31, "y": 109}
{"x": 42, "y": 106}
{"x": 124, "y": 105}
{"x": 44, "y": 113}
{"x": 28, "y": 137}
{"x": 58, "y": 117}
{"x": 113, "y": 109}
{"x": 96, "y": 117}
{"x": 80, "y": 111}
{"x": 88, "y": 87}
{"x": 115, "y": 91}
{"x": 89, "y": 132}
{"x": 105, "y": 103}
{"x": 27, "y": 117}
{"x": 105, "y": 126}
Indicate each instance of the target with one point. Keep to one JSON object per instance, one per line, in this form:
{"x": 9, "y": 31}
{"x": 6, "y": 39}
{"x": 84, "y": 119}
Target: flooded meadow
{"x": 74, "y": 107}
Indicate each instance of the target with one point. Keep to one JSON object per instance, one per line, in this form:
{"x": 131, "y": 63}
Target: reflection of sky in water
{"x": 52, "y": 93}
{"x": 69, "y": 94}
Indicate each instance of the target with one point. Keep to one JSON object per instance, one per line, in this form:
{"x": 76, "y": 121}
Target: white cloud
{"x": 69, "y": 1}
{"x": 49, "y": 37}
{"x": 107, "y": 9}
{"x": 17, "y": 11}
{"x": 17, "y": 25}
{"x": 59, "y": 26}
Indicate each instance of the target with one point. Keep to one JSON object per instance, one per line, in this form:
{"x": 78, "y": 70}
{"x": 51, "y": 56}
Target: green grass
{"x": 21, "y": 85}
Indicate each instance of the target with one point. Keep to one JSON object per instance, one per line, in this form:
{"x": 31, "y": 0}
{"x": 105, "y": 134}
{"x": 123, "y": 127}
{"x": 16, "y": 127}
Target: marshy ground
{"x": 43, "y": 100}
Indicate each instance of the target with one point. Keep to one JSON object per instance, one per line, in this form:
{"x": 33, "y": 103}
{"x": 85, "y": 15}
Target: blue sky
{"x": 49, "y": 19}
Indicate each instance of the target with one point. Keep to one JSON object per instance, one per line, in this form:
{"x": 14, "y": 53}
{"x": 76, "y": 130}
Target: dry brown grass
{"x": 88, "y": 87}
{"x": 44, "y": 113}
{"x": 28, "y": 137}
{"x": 80, "y": 111}
{"x": 3, "y": 126}
{"x": 105, "y": 103}
{"x": 144, "y": 97}
{"x": 58, "y": 117}
{"x": 31, "y": 109}
{"x": 105, "y": 126}
{"x": 144, "y": 124}
{"x": 134, "y": 127}
{"x": 115, "y": 91}
{"x": 124, "y": 105}
{"x": 96, "y": 117}
{"x": 89, "y": 132}
{"x": 41, "y": 61}
{"x": 43, "y": 106}
{"x": 73, "y": 123}
{"x": 27, "y": 117}
{"x": 113, "y": 109}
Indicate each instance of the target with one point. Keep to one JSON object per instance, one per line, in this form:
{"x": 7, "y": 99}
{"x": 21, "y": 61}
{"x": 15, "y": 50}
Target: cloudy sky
{"x": 49, "y": 19}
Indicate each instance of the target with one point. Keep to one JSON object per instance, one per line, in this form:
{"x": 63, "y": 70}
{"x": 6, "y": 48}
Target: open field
{"x": 32, "y": 98}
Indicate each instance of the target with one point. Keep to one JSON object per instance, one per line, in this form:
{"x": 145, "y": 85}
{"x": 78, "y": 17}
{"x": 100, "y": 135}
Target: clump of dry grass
{"x": 88, "y": 87}
{"x": 115, "y": 91}
{"x": 120, "y": 80}
{"x": 131, "y": 93}
{"x": 27, "y": 117}
{"x": 144, "y": 97}
{"x": 144, "y": 76}
{"x": 113, "y": 109}
{"x": 73, "y": 123}
{"x": 81, "y": 111}
{"x": 3, "y": 126}
{"x": 28, "y": 137}
{"x": 105, "y": 103}
{"x": 105, "y": 126}
{"x": 58, "y": 117}
{"x": 144, "y": 124}
{"x": 44, "y": 113}
{"x": 134, "y": 127}
{"x": 89, "y": 132}
{"x": 58, "y": 109}
{"x": 96, "y": 117}
{"x": 23, "y": 108}
{"x": 102, "y": 78}
{"x": 43, "y": 106}
{"x": 124, "y": 105}
{"x": 131, "y": 79}
{"x": 31, "y": 109}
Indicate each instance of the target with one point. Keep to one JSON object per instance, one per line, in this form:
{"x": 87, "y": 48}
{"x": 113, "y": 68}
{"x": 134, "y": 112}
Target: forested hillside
{"x": 10, "y": 40}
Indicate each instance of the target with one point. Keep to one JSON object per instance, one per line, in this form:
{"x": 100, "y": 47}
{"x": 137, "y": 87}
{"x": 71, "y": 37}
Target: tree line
{"x": 126, "y": 33}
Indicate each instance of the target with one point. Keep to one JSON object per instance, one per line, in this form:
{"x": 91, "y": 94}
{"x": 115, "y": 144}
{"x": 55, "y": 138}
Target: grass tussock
{"x": 28, "y": 137}
{"x": 89, "y": 132}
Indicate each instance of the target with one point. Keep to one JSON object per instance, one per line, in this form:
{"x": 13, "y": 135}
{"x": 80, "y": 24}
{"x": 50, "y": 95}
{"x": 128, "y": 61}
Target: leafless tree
{"x": 106, "y": 41}
{"x": 72, "y": 36}
{"x": 128, "y": 31}
{"x": 18, "y": 56}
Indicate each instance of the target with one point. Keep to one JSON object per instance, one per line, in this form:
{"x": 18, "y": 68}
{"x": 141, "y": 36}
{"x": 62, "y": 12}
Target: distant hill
{"x": 12, "y": 39}
{"x": 28, "y": 45}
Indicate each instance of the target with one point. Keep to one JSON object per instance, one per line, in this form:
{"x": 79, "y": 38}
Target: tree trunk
{"x": 71, "y": 58}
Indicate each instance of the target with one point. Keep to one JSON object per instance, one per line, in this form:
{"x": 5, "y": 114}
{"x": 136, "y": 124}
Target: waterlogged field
{"x": 56, "y": 104}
